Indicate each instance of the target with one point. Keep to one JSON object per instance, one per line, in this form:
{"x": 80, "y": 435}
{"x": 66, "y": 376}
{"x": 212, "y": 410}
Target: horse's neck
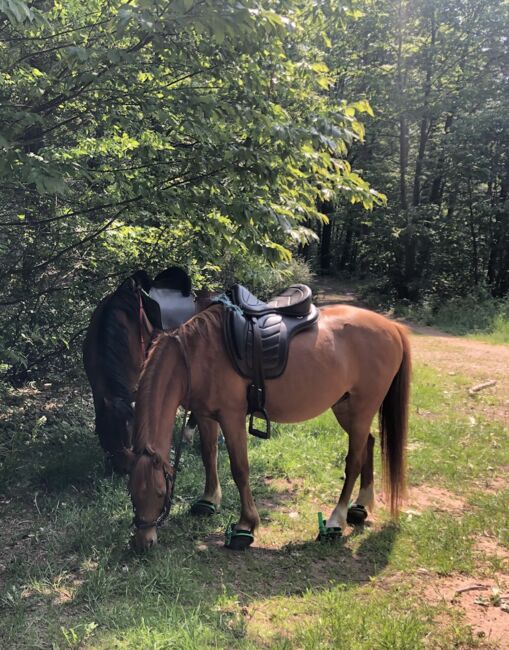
{"x": 161, "y": 391}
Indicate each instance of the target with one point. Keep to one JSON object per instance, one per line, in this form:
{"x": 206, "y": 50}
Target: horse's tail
{"x": 393, "y": 422}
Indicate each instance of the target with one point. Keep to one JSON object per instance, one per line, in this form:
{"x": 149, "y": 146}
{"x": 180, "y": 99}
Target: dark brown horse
{"x": 114, "y": 351}
{"x": 354, "y": 361}
{"x": 115, "y": 347}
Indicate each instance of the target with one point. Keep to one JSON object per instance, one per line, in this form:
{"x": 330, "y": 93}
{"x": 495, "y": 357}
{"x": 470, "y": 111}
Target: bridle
{"x": 141, "y": 524}
{"x": 169, "y": 477}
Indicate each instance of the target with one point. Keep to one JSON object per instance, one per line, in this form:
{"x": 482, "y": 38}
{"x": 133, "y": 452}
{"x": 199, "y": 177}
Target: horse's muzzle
{"x": 144, "y": 539}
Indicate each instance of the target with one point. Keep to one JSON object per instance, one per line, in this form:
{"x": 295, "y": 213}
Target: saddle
{"x": 164, "y": 303}
{"x": 257, "y": 337}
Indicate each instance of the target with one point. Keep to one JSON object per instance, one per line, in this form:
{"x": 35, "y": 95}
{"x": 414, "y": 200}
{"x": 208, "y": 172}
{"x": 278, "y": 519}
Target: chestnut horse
{"x": 354, "y": 361}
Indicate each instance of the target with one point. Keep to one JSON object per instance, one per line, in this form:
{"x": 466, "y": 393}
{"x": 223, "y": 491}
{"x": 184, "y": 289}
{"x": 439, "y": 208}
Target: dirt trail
{"x": 450, "y": 354}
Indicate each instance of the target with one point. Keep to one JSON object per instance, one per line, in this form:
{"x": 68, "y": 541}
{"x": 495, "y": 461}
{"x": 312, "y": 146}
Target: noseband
{"x": 170, "y": 478}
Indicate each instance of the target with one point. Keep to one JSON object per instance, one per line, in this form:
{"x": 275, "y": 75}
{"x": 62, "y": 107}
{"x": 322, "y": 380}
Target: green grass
{"x": 70, "y": 580}
{"x": 498, "y": 331}
{"x": 479, "y": 315}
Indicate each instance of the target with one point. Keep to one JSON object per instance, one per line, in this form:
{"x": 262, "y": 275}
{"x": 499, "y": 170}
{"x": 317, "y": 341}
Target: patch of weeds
{"x": 491, "y": 515}
{"x": 456, "y": 449}
{"x": 75, "y": 637}
{"x": 435, "y": 542}
{"x": 356, "y": 618}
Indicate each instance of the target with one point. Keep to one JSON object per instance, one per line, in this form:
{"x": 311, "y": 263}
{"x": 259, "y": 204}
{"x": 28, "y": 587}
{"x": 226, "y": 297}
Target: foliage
{"x": 435, "y": 74}
{"x": 476, "y": 313}
{"x": 144, "y": 134}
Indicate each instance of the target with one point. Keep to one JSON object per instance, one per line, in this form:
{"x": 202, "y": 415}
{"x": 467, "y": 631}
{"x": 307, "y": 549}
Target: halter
{"x": 170, "y": 478}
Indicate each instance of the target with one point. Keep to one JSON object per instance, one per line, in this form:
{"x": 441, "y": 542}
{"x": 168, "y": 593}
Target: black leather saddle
{"x": 157, "y": 304}
{"x": 257, "y": 336}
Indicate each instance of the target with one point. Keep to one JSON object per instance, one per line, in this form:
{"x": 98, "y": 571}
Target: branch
{"x": 93, "y": 235}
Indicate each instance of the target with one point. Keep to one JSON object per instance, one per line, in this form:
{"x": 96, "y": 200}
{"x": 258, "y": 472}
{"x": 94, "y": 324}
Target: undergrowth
{"x": 69, "y": 578}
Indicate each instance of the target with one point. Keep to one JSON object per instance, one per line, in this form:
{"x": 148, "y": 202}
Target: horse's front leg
{"x": 211, "y": 499}
{"x": 234, "y": 430}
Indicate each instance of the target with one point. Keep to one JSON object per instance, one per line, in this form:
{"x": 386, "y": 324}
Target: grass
{"x": 69, "y": 579}
{"x": 479, "y": 315}
{"x": 498, "y": 332}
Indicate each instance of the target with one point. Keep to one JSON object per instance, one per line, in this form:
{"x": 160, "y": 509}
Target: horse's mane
{"x": 203, "y": 325}
{"x": 113, "y": 336}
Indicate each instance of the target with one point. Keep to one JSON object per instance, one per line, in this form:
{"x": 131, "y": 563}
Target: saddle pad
{"x": 276, "y": 332}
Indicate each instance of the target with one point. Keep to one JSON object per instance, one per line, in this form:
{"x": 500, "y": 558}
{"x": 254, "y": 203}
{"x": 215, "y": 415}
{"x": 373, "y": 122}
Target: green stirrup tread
{"x": 231, "y": 534}
{"x": 357, "y": 514}
{"x": 327, "y": 533}
{"x": 202, "y": 506}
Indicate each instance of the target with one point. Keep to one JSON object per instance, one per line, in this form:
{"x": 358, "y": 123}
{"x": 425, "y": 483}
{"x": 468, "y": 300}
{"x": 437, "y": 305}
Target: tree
{"x": 435, "y": 74}
{"x": 135, "y": 135}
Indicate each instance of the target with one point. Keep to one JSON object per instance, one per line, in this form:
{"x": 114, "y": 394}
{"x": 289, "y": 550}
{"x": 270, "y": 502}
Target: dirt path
{"x": 477, "y": 361}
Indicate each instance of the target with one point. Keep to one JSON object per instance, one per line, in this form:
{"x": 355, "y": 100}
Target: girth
{"x": 257, "y": 336}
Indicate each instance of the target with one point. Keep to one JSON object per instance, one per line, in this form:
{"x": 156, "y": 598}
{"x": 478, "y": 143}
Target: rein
{"x": 170, "y": 478}
{"x": 140, "y": 313}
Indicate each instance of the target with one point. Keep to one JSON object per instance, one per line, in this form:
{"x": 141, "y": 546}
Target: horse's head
{"x": 114, "y": 425}
{"x": 150, "y": 488}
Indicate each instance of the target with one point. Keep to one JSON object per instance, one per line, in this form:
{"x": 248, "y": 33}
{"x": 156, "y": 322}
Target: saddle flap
{"x": 275, "y": 332}
{"x": 174, "y": 308}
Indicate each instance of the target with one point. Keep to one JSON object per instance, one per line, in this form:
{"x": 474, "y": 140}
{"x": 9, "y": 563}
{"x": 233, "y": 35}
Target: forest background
{"x": 253, "y": 141}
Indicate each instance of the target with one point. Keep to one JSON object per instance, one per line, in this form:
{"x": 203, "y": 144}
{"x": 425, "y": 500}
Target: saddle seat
{"x": 257, "y": 337}
{"x": 294, "y": 301}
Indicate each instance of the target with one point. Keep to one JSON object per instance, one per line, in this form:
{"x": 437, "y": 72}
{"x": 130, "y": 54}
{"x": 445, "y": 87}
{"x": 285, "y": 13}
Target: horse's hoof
{"x": 238, "y": 539}
{"x": 203, "y": 508}
{"x": 327, "y": 534}
{"x": 356, "y": 515}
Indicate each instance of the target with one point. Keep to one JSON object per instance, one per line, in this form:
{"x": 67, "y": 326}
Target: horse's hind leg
{"x": 358, "y": 454}
{"x": 209, "y": 503}
{"x": 366, "y": 496}
{"x": 358, "y": 511}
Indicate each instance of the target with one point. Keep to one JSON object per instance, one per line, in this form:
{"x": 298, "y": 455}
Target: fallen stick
{"x": 470, "y": 588}
{"x": 485, "y": 384}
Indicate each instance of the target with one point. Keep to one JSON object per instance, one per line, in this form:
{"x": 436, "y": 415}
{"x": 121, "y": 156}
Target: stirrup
{"x": 326, "y": 534}
{"x": 265, "y": 435}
